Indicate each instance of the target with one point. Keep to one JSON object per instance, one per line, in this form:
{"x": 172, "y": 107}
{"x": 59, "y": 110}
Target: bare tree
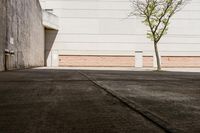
{"x": 156, "y": 15}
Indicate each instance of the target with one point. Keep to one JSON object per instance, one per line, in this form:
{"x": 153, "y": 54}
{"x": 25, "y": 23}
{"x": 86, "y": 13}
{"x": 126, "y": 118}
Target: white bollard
{"x": 54, "y": 57}
{"x": 138, "y": 59}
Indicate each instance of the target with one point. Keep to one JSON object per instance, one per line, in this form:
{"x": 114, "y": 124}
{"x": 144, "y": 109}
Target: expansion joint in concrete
{"x": 148, "y": 115}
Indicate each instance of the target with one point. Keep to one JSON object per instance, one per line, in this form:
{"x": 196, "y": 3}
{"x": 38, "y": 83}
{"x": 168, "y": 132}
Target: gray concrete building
{"x": 22, "y": 36}
{"x": 2, "y": 32}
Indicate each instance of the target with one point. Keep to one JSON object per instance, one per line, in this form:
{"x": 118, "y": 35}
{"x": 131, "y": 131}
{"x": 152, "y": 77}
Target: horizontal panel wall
{"x": 102, "y": 27}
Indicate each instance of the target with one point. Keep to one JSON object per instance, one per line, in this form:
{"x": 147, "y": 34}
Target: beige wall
{"x": 101, "y": 27}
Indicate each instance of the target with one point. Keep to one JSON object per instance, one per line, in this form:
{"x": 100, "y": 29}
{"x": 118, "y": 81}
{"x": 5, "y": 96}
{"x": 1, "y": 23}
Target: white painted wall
{"x": 50, "y": 21}
{"x": 102, "y": 27}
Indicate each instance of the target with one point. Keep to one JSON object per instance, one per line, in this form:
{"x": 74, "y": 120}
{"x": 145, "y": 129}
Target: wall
{"x": 183, "y": 61}
{"x": 2, "y": 32}
{"x": 101, "y": 27}
{"x": 96, "y": 61}
{"x": 25, "y": 34}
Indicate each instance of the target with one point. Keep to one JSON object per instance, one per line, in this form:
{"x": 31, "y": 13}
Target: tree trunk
{"x": 157, "y": 57}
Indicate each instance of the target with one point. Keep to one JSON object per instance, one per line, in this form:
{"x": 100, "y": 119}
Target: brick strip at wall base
{"x": 181, "y": 61}
{"x": 96, "y": 61}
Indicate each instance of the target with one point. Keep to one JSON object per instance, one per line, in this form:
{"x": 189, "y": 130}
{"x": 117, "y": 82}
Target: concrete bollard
{"x": 55, "y": 56}
{"x": 138, "y": 59}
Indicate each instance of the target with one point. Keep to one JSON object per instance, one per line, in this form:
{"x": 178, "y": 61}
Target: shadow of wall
{"x": 50, "y": 36}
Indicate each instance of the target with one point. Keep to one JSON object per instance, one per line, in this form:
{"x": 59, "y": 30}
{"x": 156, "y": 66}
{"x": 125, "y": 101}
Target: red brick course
{"x": 125, "y": 61}
{"x": 181, "y": 61}
{"x": 148, "y": 61}
{"x": 96, "y": 61}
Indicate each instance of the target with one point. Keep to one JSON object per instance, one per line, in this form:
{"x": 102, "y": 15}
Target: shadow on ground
{"x": 65, "y": 101}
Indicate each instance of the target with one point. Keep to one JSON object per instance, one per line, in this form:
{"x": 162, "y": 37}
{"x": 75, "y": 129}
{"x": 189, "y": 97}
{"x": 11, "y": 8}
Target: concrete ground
{"x": 74, "y": 101}
{"x": 195, "y": 70}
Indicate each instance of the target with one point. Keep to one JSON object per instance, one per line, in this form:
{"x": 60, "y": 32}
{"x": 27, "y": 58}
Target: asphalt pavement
{"x": 83, "y": 101}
